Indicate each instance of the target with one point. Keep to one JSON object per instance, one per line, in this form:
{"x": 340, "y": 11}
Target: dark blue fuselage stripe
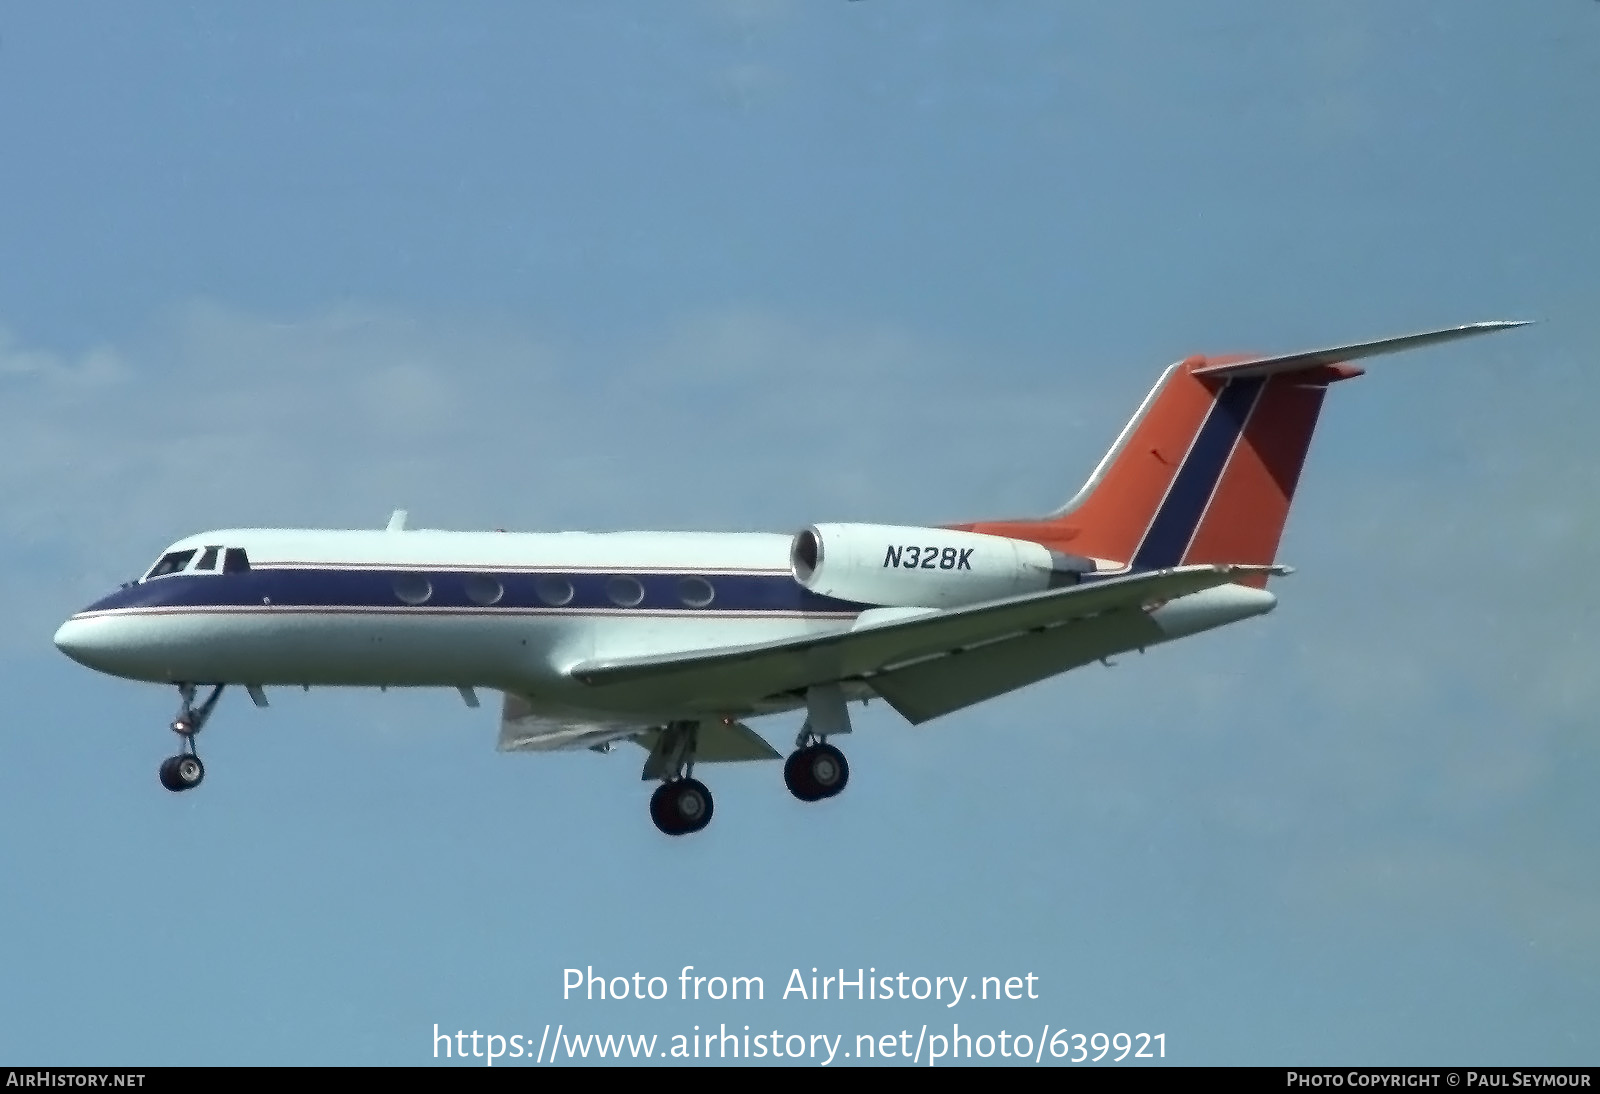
{"x": 326, "y": 587}
{"x": 1175, "y": 522}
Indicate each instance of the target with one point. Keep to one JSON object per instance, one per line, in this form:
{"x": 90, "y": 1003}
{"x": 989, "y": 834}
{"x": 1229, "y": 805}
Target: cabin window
{"x": 554, "y": 591}
{"x": 483, "y": 589}
{"x": 413, "y": 588}
{"x": 170, "y": 563}
{"x": 624, "y": 592}
{"x": 235, "y": 561}
{"x": 208, "y": 559}
{"x": 696, "y": 592}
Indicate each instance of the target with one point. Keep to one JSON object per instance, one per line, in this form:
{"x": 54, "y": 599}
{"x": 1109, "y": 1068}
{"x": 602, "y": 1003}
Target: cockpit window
{"x": 170, "y": 563}
{"x": 235, "y": 561}
{"x": 208, "y": 559}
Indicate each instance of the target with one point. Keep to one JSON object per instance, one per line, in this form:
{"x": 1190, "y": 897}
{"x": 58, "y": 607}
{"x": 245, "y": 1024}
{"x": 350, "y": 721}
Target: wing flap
{"x": 1298, "y": 362}
{"x": 775, "y": 667}
{"x": 522, "y": 730}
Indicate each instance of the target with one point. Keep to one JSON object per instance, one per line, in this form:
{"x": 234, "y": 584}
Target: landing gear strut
{"x": 185, "y": 771}
{"x": 681, "y": 804}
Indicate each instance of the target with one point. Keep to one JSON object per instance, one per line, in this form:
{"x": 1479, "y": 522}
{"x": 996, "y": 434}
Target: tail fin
{"x": 1206, "y": 469}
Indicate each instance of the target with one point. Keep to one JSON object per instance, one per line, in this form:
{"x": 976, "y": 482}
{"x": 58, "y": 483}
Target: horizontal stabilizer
{"x": 1298, "y": 362}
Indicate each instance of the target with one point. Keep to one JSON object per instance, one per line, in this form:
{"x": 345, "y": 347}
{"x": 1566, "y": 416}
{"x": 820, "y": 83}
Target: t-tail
{"x": 1206, "y": 469}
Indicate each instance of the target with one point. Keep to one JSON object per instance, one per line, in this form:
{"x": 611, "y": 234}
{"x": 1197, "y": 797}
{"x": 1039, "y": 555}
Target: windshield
{"x": 170, "y": 563}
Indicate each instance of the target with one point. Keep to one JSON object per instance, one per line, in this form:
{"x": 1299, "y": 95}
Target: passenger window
{"x": 413, "y": 588}
{"x": 555, "y": 591}
{"x": 483, "y": 589}
{"x": 208, "y": 559}
{"x": 696, "y": 592}
{"x": 170, "y": 563}
{"x": 235, "y": 561}
{"x": 625, "y": 592}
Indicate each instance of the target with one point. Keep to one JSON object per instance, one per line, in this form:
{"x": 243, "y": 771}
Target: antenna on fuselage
{"x": 397, "y": 521}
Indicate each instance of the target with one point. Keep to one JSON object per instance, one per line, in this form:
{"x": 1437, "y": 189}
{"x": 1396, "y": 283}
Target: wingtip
{"x": 1500, "y": 324}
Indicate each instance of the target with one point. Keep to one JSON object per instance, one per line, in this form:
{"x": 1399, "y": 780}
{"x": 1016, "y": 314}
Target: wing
{"x": 894, "y": 640}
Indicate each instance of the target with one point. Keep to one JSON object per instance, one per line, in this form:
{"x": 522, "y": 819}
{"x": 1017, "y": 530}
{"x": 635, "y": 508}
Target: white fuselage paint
{"x": 320, "y": 608}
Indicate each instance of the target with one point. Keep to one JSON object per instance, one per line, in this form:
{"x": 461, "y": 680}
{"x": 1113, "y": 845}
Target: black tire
{"x": 827, "y": 770}
{"x": 661, "y": 810}
{"x": 797, "y": 776}
{"x": 169, "y": 774}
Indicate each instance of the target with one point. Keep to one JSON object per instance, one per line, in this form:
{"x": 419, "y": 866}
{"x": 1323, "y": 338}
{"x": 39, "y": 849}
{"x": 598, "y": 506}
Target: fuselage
{"x": 513, "y": 612}
{"x": 420, "y": 608}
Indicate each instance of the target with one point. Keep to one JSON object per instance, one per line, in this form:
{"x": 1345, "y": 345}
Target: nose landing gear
{"x": 182, "y": 772}
{"x": 185, "y": 771}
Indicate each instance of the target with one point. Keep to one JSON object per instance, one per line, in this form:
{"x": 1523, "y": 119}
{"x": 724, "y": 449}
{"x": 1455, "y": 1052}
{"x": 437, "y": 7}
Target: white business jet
{"x": 673, "y": 640}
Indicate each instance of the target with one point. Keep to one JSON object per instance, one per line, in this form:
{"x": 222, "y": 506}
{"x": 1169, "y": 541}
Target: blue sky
{"x": 749, "y": 265}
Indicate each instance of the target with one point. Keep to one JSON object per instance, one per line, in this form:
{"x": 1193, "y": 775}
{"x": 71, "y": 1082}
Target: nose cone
{"x": 130, "y": 634}
{"x": 106, "y": 644}
{"x": 78, "y": 640}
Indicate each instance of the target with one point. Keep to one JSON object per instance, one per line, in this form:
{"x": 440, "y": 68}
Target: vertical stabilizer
{"x": 1206, "y": 469}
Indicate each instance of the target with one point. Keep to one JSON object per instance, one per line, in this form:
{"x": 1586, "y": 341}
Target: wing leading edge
{"x": 773, "y": 668}
{"x": 1336, "y": 355}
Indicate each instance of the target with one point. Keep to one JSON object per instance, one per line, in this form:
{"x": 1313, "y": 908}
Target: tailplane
{"x": 1206, "y": 469}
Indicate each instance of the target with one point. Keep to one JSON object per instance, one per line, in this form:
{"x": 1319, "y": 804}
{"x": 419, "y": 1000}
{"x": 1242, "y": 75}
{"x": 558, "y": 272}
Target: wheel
{"x": 815, "y": 772}
{"x": 169, "y": 774}
{"x": 797, "y": 776}
{"x": 681, "y": 807}
{"x": 188, "y": 771}
{"x": 182, "y": 772}
{"x": 828, "y": 770}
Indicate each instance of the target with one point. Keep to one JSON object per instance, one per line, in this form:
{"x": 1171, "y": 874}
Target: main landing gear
{"x": 185, "y": 771}
{"x": 816, "y": 770}
{"x": 682, "y": 804}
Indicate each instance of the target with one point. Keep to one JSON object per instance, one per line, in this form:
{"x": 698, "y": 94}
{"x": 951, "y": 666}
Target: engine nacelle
{"x": 902, "y": 567}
